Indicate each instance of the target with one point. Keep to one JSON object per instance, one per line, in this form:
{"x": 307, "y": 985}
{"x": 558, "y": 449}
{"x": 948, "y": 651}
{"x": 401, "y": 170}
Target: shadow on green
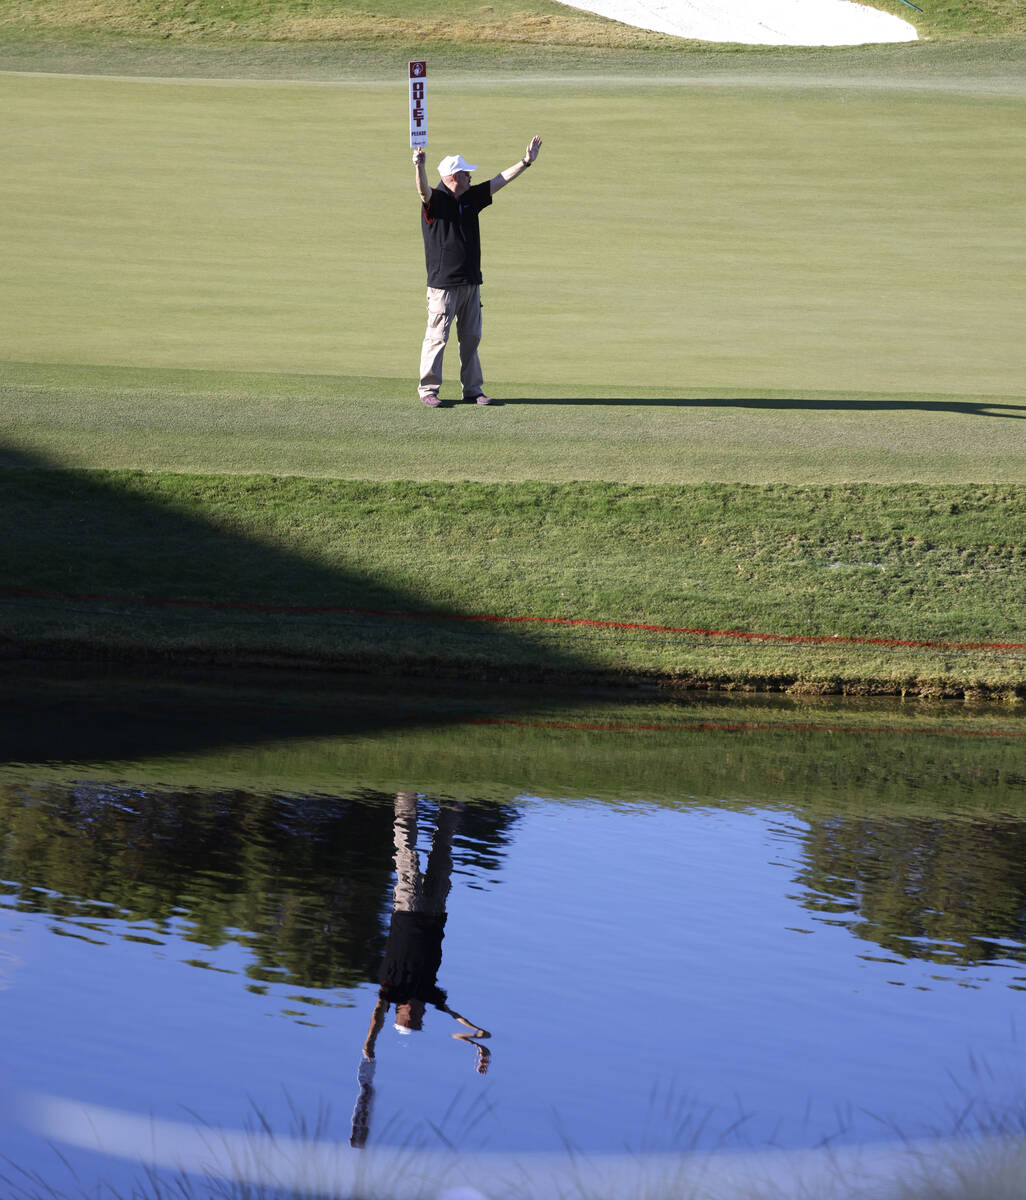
{"x": 977, "y": 408}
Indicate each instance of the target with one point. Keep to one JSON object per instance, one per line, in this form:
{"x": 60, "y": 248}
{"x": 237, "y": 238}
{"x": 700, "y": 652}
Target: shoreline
{"x": 270, "y": 661}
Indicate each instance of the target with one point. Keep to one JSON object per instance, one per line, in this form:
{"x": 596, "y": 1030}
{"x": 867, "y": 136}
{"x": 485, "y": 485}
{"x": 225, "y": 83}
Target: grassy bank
{"x": 330, "y": 40}
{"x": 461, "y": 21}
{"x": 93, "y": 558}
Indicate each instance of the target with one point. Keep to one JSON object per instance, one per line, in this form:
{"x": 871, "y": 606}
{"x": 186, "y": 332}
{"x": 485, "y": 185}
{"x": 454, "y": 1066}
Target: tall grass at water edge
{"x": 982, "y": 1156}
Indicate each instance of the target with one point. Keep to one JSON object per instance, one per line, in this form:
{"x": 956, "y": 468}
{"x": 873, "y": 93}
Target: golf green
{"x": 675, "y": 235}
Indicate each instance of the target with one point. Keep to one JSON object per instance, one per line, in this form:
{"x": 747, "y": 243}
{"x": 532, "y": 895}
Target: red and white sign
{"x": 418, "y": 104}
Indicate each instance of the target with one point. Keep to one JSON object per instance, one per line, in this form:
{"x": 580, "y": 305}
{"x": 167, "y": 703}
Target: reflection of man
{"x": 413, "y": 955}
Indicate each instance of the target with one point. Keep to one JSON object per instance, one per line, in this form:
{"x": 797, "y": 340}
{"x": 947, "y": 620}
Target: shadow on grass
{"x": 971, "y": 408}
{"x": 120, "y": 568}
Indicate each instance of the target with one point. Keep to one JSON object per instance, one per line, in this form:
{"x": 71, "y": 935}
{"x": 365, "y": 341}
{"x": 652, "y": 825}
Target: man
{"x": 452, "y": 251}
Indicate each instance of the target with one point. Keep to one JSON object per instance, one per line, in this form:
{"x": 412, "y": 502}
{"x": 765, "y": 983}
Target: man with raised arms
{"x": 452, "y": 252}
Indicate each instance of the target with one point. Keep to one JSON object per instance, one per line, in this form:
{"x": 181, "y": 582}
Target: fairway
{"x": 679, "y": 242}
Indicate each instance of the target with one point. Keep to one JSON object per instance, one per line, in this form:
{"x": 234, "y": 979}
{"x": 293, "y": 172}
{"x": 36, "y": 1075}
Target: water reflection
{"x": 644, "y": 851}
{"x": 413, "y": 953}
{"x": 305, "y": 883}
{"x": 299, "y": 881}
{"x": 943, "y": 888}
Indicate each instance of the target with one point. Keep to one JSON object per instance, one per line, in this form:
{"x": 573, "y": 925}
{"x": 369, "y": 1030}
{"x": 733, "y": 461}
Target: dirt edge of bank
{"x": 229, "y": 659}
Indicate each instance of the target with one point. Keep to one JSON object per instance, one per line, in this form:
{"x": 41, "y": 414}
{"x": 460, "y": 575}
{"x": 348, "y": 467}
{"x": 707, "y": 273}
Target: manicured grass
{"x": 796, "y": 240}
{"x": 373, "y": 428}
{"x": 970, "y": 64}
{"x": 938, "y": 563}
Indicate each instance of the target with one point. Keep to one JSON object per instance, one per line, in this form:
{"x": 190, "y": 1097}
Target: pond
{"x": 422, "y": 918}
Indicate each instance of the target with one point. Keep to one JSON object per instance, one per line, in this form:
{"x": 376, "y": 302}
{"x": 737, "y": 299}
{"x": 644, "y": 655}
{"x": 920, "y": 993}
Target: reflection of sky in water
{"x": 651, "y": 977}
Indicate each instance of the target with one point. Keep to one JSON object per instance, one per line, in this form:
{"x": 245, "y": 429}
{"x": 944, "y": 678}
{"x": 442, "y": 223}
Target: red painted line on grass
{"x": 789, "y": 639}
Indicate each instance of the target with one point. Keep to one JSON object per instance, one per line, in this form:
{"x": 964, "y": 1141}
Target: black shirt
{"x": 452, "y": 238}
{"x": 413, "y": 956}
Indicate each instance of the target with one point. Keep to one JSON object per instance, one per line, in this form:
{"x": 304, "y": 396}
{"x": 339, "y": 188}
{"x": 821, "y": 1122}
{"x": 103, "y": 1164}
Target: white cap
{"x": 453, "y": 163}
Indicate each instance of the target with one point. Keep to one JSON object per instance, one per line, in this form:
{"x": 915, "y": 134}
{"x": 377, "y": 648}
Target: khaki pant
{"x": 445, "y": 305}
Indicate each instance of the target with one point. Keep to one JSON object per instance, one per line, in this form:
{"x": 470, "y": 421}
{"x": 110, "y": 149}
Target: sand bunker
{"x": 759, "y": 22}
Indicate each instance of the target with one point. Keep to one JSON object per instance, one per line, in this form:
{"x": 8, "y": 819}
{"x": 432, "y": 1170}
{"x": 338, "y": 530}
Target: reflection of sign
{"x": 418, "y": 104}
